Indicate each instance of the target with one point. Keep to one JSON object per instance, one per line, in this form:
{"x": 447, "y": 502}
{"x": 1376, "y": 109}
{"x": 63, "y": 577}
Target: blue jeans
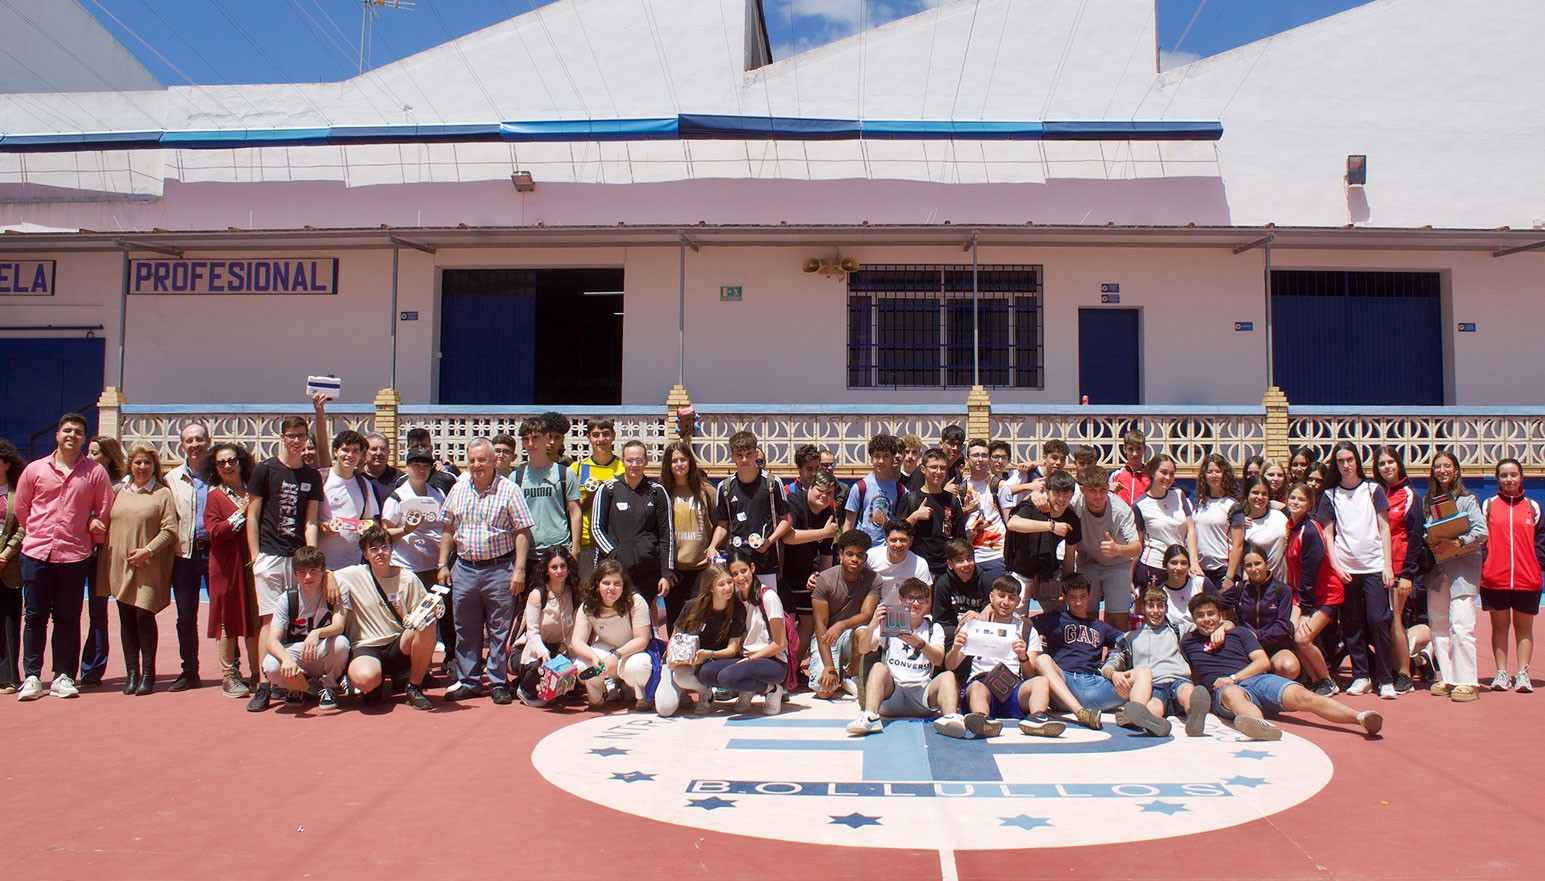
{"x": 482, "y": 597}
{"x": 93, "y": 651}
{"x": 1265, "y": 691}
{"x": 52, "y": 591}
{"x": 188, "y": 577}
{"x": 1093, "y": 690}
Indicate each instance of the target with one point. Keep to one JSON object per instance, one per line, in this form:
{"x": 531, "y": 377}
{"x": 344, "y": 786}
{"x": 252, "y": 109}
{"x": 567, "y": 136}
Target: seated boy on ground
{"x": 1243, "y": 689}
{"x": 1150, "y": 672}
{"x": 905, "y": 685}
{"x": 1075, "y": 643}
{"x": 377, "y": 599}
{"x": 842, "y": 599}
{"x": 1027, "y": 697}
{"x": 305, "y": 638}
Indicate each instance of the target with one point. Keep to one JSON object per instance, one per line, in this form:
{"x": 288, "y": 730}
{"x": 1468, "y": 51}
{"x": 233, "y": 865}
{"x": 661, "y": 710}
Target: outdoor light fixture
{"x": 1357, "y": 171}
{"x": 523, "y": 181}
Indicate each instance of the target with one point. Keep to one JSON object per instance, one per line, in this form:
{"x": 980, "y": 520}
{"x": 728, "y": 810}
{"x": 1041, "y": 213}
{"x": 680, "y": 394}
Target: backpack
{"x": 292, "y": 602}
{"x": 791, "y": 635}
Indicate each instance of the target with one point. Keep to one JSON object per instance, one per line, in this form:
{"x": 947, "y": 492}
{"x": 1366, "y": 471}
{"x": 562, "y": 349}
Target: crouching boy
{"x": 1013, "y": 692}
{"x": 305, "y": 639}
{"x": 908, "y": 683}
{"x": 377, "y": 599}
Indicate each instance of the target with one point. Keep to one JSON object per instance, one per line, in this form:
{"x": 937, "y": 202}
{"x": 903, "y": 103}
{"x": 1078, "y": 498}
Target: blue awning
{"x": 659, "y": 128}
{"x": 789, "y": 128}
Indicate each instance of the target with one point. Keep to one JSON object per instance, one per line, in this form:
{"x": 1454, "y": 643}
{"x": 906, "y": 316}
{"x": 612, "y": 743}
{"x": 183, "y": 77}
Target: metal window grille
{"x": 1341, "y": 283}
{"x": 909, "y": 326}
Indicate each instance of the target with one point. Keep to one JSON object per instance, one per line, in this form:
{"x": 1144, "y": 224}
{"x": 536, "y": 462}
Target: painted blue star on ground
{"x": 1252, "y": 754}
{"x": 1251, "y": 782}
{"x": 608, "y": 751}
{"x": 711, "y": 803}
{"x": 1024, "y": 822}
{"x": 855, "y": 820}
{"x": 633, "y": 776}
{"x": 1163, "y": 807}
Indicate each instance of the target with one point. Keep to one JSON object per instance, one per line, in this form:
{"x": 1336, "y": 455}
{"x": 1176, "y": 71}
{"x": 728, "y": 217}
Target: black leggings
{"x": 138, "y": 635}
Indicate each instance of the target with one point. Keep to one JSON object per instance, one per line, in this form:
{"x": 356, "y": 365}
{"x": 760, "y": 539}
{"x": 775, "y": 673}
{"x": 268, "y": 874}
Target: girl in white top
{"x": 612, "y": 629}
{"x": 1163, "y": 517}
{"x": 1354, "y": 512}
{"x": 1265, "y": 526}
{"x": 1179, "y": 584}
{"x": 764, "y": 663}
{"x": 548, "y": 619}
{"x": 1220, "y": 522}
{"x": 717, "y": 618}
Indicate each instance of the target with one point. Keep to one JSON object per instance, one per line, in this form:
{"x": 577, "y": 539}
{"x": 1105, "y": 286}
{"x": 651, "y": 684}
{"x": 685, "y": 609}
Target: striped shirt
{"x": 486, "y": 521}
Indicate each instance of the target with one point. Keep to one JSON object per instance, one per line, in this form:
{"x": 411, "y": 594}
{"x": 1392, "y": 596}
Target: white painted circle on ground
{"x": 799, "y": 777}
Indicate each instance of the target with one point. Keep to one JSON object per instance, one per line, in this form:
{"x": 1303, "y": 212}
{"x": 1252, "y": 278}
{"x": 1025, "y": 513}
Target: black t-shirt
{"x": 953, "y": 598}
{"x": 718, "y": 627}
{"x": 1034, "y": 554}
{"x": 387, "y": 482}
{"x": 747, "y": 509}
{"x": 802, "y": 559}
{"x": 947, "y": 521}
{"x": 285, "y": 492}
{"x": 915, "y": 480}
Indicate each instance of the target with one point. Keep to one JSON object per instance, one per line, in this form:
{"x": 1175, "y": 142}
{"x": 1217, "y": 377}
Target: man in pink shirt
{"x": 62, "y": 501}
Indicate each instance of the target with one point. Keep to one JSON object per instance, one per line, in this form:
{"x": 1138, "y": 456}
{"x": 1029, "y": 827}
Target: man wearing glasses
{"x": 906, "y": 684}
{"x": 282, "y": 500}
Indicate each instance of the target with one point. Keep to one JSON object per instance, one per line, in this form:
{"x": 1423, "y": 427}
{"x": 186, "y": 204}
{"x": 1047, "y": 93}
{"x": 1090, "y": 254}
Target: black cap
{"x": 421, "y": 454}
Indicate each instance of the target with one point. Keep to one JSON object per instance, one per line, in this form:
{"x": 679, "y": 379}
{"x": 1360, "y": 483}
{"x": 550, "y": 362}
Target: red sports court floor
{"x": 190, "y": 786}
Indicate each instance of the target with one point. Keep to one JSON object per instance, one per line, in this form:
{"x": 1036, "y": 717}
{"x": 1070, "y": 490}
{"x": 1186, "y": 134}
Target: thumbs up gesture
{"x": 1108, "y": 545}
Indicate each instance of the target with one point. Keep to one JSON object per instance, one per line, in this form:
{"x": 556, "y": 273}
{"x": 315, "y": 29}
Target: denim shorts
{"x": 1093, "y": 690}
{"x": 1168, "y": 693}
{"x": 1265, "y": 691}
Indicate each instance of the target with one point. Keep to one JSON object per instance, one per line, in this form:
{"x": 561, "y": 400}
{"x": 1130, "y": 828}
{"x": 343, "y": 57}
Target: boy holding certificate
{"x": 1002, "y": 649}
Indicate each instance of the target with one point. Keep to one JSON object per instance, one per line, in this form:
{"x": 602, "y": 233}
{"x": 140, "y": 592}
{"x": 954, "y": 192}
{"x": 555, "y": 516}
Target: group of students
{"x": 949, "y": 582}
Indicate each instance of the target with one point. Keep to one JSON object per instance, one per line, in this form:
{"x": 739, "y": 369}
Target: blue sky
{"x": 252, "y": 41}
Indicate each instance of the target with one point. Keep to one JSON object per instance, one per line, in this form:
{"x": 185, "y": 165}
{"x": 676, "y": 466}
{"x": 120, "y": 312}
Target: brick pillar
{"x": 1276, "y": 404}
{"x": 387, "y": 402}
{"x": 674, "y": 402}
{"x": 109, "y": 420}
{"x": 978, "y": 414}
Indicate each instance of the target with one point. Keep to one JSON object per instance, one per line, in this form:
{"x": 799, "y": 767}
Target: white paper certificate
{"x": 986, "y": 639}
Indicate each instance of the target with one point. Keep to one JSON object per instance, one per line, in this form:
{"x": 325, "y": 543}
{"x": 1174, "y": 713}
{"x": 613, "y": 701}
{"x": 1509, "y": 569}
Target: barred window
{"x": 909, "y": 326}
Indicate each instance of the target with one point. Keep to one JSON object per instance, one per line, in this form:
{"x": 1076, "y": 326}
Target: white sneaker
{"x": 849, "y": 686}
{"x": 1387, "y": 692}
{"x": 31, "y": 690}
{"x": 952, "y": 725}
{"x": 63, "y": 686}
{"x": 866, "y": 723}
{"x": 1502, "y": 681}
{"x": 772, "y": 702}
{"x": 1522, "y": 683}
{"x": 704, "y": 703}
{"x": 743, "y": 703}
{"x": 1360, "y": 686}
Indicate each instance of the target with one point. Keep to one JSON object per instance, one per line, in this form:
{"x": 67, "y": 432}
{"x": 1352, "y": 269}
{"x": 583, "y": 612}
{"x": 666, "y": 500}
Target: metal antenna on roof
{"x": 371, "y": 9}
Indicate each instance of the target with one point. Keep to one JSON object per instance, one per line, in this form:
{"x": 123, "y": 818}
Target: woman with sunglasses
{"x": 233, "y": 611}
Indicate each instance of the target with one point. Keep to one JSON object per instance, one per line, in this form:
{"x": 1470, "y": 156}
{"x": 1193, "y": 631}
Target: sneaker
{"x": 1196, "y": 714}
{"x": 1371, "y": 721}
{"x": 7, "y": 688}
{"x": 1463, "y": 694}
{"x": 1088, "y": 717}
{"x": 459, "y": 692}
{"x": 234, "y": 687}
{"x": 327, "y": 699}
{"x": 743, "y": 703}
{"x": 1387, "y": 692}
{"x": 31, "y": 690}
{"x": 294, "y": 698}
{"x": 1404, "y": 684}
{"x": 981, "y": 726}
{"x": 704, "y": 703}
{"x": 849, "y": 686}
{"x": 500, "y": 695}
{"x": 416, "y": 698}
{"x": 952, "y": 725}
{"x": 1258, "y": 729}
{"x": 1424, "y": 666}
{"x": 1360, "y": 686}
{"x": 722, "y": 695}
{"x": 1440, "y": 689}
{"x": 1144, "y": 718}
{"x": 772, "y": 702}
{"x": 1042, "y": 725}
{"x": 261, "y": 696}
{"x": 1502, "y": 681}
{"x": 866, "y": 723}
{"x": 1327, "y": 688}
{"x": 63, "y": 686}
{"x": 1521, "y": 682}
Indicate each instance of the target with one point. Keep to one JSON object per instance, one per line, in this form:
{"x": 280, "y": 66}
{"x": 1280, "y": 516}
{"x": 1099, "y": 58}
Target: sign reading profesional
{"x": 249, "y": 275}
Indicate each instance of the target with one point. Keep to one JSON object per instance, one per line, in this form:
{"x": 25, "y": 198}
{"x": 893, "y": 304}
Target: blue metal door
{"x": 1109, "y": 356}
{"x": 487, "y": 336}
{"x": 1358, "y": 338}
{"x": 41, "y": 380}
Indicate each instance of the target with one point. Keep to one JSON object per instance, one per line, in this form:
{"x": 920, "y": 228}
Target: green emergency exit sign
{"x": 730, "y": 293}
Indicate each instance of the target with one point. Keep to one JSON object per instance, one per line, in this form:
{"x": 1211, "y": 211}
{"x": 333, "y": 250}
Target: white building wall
{"x": 41, "y": 36}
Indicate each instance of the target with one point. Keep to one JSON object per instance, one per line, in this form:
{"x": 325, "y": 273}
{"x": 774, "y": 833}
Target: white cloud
{"x": 842, "y": 13}
{"x": 1169, "y": 60}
